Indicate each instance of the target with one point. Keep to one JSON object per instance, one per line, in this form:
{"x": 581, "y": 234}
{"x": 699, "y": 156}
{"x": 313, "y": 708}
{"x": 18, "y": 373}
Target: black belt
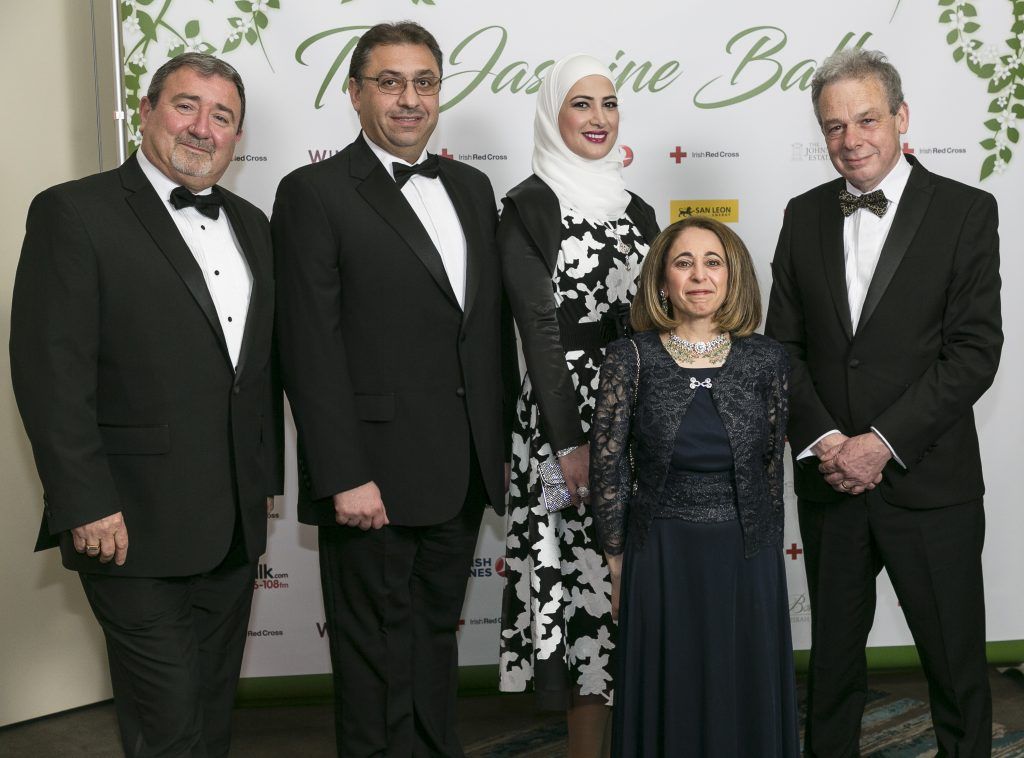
{"x": 595, "y": 335}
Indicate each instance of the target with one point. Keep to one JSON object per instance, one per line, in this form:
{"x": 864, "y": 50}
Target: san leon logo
{"x": 269, "y": 578}
{"x": 720, "y": 210}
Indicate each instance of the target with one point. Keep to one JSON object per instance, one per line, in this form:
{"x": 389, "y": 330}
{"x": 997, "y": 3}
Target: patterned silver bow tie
{"x": 876, "y": 202}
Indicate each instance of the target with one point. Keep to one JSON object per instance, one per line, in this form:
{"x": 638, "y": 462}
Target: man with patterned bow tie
{"x": 399, "y": 364}
{"x": 886, "y": 293}
{"x": 141, "y": 333}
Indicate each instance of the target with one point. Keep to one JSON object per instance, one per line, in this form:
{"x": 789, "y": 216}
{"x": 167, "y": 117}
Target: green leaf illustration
{"x": 244, "y": 5}
{"x": 988, "y": 166}
{"x": 147, "y": 25}
{"x": 993, "y": 125}
{"x": 1013, "y": 135}
{"x": 989, "y": 143}
{"x": 192, "y": 29}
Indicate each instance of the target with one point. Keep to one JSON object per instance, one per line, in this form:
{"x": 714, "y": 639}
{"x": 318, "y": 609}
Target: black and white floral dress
{"x": 557, "y": 632}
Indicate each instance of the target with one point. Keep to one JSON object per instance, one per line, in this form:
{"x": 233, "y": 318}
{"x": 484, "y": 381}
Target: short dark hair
{"x": 399, "y": 33}
{"x": 857, "y": 64}
{"x": 203, "y": 64}
{"x": 740, "y": 312}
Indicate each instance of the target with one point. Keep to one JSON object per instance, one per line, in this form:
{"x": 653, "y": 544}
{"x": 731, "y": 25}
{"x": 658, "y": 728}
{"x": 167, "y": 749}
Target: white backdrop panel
{"x": 714, "y": 105}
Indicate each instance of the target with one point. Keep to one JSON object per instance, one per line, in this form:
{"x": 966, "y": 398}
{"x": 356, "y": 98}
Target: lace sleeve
{"x": 610, "y": 475}
{"x": 778, "y": 415}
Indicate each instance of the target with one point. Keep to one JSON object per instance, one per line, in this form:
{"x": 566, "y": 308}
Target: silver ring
{"x": 92, "y": 548}
{"x": 583, "y": 491}
{"x": 843, "y": 485}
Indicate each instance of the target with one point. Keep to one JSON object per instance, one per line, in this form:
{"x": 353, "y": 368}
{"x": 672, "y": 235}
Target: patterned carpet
{"x": 893, "y": 727}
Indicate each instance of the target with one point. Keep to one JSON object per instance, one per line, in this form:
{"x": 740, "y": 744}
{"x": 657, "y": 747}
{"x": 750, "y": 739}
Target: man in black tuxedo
{"x": 141, "y": 361}
{"x": 399, "y": 364}
{"x": 886, "y": 293}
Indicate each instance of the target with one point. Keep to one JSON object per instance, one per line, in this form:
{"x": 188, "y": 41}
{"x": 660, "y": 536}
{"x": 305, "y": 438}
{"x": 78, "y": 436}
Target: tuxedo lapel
{"x": 384, "y": 196}
{"x": 256, "y": 273}
{"x": 909, "y": 215}
{"x": 834, "y": 259}
{"x": 153, "y": 216}
{"x": 468, "y": 220}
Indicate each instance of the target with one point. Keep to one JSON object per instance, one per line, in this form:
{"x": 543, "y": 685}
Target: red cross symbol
{"x": 793, "y": 551}
{"x": 462, "y": 622}
{"x": 907, "y": 148}
{"x": 445, "y": 153}
{"x": 678, "y": 154}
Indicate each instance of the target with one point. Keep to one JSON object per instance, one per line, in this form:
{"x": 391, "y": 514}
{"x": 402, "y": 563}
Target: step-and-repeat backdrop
{"x": 716, "y": 119}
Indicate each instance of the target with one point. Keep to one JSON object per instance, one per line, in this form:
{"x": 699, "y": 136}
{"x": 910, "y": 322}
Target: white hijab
{"x": 593, "y": 188}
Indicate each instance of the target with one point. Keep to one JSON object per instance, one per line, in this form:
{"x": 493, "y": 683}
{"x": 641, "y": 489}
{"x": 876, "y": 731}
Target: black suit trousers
{"x": 174, "y": 647}
{"x": 933, "y": 558}
{"x": 393, "y": 598}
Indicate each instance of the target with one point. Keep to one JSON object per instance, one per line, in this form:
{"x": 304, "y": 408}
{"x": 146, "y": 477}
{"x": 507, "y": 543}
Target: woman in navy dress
{"x": 686, "y": 467}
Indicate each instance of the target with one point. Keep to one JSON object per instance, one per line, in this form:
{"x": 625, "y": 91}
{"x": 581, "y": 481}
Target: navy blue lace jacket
{"x": 750, "y": 393}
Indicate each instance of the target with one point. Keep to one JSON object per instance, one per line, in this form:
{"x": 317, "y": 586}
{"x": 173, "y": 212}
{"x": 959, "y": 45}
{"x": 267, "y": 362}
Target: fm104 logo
{"x": 269, "y": 578}
{"x": 482, "y": 567}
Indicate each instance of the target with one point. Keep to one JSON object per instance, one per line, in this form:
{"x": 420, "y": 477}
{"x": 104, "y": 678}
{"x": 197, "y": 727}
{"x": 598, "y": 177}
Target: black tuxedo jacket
{"x": 926, "y": 348}
{"x": 388, "y": 378}
{"x": 124, "y": 382}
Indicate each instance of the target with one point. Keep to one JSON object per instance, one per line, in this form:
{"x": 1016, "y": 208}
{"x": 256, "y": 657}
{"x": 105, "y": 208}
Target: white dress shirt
{"x": 864, "y": 235}
{"x": 214, "y": 246}
{"x": 435, "y": 210}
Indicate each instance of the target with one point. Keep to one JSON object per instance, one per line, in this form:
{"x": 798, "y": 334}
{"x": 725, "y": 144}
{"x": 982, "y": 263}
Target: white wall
{"x": 53, "y": 654}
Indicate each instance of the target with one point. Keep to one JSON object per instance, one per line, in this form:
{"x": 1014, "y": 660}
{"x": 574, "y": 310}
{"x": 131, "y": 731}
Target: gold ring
{"x": 843, "y": 485}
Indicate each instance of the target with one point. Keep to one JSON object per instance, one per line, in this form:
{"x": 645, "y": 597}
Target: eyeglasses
{"x": 390, "y": 84}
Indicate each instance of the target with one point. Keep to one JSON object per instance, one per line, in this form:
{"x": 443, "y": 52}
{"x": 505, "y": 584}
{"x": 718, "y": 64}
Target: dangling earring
{"x": 663, "y": 301}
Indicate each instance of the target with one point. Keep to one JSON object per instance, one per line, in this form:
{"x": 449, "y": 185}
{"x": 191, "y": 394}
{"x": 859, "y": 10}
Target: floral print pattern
{"x": 556, "y": 610}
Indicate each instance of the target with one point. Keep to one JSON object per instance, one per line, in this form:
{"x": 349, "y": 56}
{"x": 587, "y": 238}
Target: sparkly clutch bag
{"x": 554, "y": 492}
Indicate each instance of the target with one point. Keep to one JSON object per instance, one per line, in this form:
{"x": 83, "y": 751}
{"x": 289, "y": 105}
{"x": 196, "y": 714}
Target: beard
{"x": 191, "y": 163}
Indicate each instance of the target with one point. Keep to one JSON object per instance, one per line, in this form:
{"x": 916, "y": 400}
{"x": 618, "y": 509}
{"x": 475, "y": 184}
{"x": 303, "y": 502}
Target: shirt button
{"x": 229, "y": 319}
{"x": 235, "y": 390}
{"x": 203, "y": 227}
{"x": 216, "y": 272}
{"x": 854, "y": 362}
{"x": 460, "y": 392}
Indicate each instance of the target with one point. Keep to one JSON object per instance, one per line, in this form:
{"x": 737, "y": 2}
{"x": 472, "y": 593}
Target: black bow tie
{"x": 208, "y": 205}
{"x": 875, "y": 202}
{"x": 428, "y": 168}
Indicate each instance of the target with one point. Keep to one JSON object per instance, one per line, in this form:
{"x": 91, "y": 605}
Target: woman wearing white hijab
{"x": 572, "y": 241}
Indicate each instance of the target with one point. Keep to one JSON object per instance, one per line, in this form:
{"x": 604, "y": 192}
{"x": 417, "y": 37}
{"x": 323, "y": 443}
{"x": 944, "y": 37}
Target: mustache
{"x": 202, "y": 144}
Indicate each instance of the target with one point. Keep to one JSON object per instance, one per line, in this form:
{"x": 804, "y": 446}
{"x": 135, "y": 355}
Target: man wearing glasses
{"x": 399, "y": 364}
